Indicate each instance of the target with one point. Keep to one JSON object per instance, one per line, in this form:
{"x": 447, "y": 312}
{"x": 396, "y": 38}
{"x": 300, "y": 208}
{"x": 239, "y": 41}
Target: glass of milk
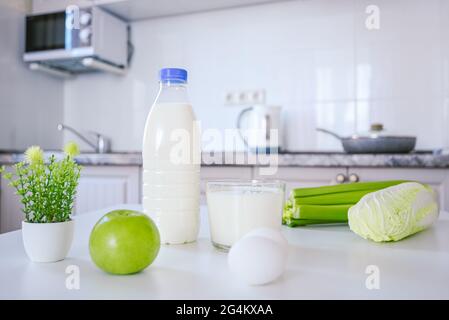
{"x": 237, "y": 207}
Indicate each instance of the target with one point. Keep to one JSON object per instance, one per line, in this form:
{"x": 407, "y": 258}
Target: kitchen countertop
{"x": 116, "y": 158}
{"x": 292, "y": 159}
{"x": 324, "y": 262}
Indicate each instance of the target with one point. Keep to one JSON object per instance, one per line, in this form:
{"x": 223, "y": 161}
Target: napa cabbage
{"x": 394, "y": 213}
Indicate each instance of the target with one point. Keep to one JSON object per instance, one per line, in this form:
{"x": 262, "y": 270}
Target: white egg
{"x": 257, "y": 260}
{"x": 272, "y": 234}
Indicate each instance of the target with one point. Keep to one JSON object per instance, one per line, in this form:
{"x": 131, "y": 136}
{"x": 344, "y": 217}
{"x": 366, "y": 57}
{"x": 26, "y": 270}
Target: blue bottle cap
{"x": 173, "y": 75}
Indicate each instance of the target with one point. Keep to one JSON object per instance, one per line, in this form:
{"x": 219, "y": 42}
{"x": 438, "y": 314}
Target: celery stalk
{"x": 305, "y": 222}
{"x": 345, "y": 187}
{"x": 350, "y": 197}
{"x": 328, "y": 213}
{"x": 327, "y": 204}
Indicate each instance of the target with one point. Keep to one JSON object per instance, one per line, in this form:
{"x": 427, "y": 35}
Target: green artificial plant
{"x": 47, "y": 189}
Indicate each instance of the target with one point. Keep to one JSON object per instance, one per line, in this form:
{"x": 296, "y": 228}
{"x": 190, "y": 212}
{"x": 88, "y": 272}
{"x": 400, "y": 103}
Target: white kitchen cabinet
{"x": 99, "y": 187}
{"x": 220, "y": 173}
{"x": 105, "y": 186}
{"x": 438, "y": 179}
{"x": 11, "y": 214}
{"x": 297, "y": 177}
{"x": 134, "y": 10}
{"x": 44, "y": 6}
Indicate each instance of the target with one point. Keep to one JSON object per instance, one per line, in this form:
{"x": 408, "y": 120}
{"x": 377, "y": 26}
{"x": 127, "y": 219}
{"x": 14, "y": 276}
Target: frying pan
{"x": 374, "y": 142}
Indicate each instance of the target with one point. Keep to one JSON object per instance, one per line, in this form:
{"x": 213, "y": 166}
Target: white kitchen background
{"x": 30, "y": 103}
{"x": 315, "y": 58}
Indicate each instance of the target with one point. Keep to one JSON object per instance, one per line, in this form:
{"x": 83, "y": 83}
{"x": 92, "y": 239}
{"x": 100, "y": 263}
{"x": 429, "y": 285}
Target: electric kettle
{"x": 262, "y": 133}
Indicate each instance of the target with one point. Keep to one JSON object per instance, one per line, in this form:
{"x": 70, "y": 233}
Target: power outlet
{"x": 232, "y": 99}
{"x": 245, "y": 98}
{"x": 258, "y": 97}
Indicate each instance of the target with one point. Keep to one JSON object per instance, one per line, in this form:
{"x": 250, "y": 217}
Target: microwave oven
{"x": 76, "y": 40}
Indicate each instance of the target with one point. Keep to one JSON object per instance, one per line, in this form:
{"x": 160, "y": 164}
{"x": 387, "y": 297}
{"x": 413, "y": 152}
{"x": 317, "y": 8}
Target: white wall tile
{"x": 399, "y": 69}
{"x": 300, "y": 52}
{"x": 315, "y": 58}
{"x": 444, "y": 18}
{"x": 31, "y": 104}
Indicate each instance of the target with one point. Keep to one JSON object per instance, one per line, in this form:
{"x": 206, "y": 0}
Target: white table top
{"x": 324, "y": 263}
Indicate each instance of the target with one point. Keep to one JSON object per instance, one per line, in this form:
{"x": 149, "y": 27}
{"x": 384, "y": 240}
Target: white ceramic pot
{"x": 47, "y": 242}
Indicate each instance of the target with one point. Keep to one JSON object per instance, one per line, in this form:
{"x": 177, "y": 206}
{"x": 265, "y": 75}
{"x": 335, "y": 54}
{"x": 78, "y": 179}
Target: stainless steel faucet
{"x": 101, "y": 144}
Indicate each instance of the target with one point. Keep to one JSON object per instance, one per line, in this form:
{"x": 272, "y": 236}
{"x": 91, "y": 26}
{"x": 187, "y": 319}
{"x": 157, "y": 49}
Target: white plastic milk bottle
{"x": 171, "y": 161}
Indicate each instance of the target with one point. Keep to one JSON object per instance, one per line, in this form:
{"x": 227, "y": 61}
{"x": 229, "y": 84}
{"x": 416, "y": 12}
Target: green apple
{"x": 124, "y": 242}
